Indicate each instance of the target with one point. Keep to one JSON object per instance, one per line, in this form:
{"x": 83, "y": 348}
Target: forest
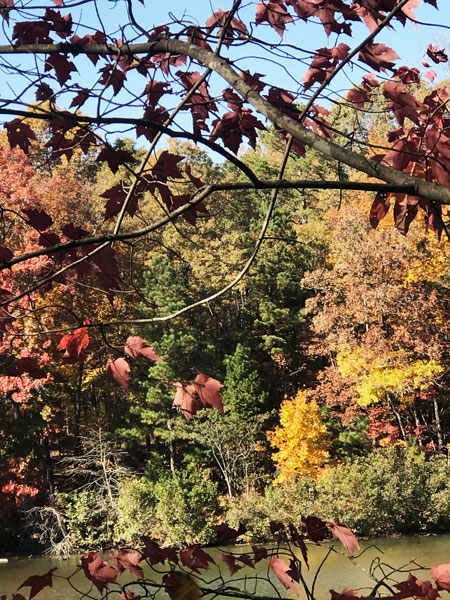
{"x": 224, "y": 313}
{"x": 332, "y": 358}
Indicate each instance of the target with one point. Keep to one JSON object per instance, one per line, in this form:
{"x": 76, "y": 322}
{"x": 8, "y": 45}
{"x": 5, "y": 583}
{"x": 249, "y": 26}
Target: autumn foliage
{"x": 301, "y": 440}
{"x": 188, "y": 245}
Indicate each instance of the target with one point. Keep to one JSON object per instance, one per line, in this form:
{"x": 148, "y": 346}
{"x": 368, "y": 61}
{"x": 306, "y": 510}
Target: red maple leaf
{"x": 225, "y": 533}
{"x": 195, "y": 558}
{"x": 38, "y": 219}
{"x": 4, "y": 12}
{"x": 379, "y": 208}
{"x": 32, "y": 32}
{"x": 44, "y": 91}
{"x": 5, "y": 254}
{"x": 273, "y": 12}
{"x": 155, "y": 554}
{"x": 436, "y": 55}
{"x": 315, "y": 528}
{"x": 112, "y": 76}
{"x": 441, "y": 574}
{"x": 345, "y": 535}
{"x": 73, "y": 232}
{"x": 128, "y": 560}
{"x": 119, "y": 369}
{"x": 415, "y": 588}
{"x": 203, "y": 393}
{"x": 74, "y": 344}
{"x": 28, "y": 364}
{"x": 235, "y": 29}
{"x": 115, "y": 158}
{"x": 97, "y": 38}
{"x": 347, "y": 594}
{"x": 405, "y": 211}
{"x": 80, "y": 98}
{"x": 378, "y": 56}
{"x": 230, "y": 561}
{"x": 137, "y": 348}
{"x": 61, "y": 25}
{"x": 38, "y": 582}
{"x": 154, "y": 91}
{"x": 99, "y": 572}
{"x": 358, "y": 96}
{"x": 259, "y": 553}
{"x": 19, "y": 134}
{"x": 167, "y": 166}
{"x": 195, "y": 180}
{"x": 116, "y": 197}
{"x": 61, "y": 65}
{"x": 280, "y": 568}
{"x": 186, "y": 400}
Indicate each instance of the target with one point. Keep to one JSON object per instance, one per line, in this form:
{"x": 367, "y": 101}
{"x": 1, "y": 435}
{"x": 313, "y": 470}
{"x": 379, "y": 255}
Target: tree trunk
{"x": 417, "y": 424}
{"x": 171, "y": 448}
{"x": 16, "y": 410}
{"x": 437, "y": 421}
{"x": 398, "y": 417}
{"x": 77, "y": 405}
{"x": 48, "y": 464}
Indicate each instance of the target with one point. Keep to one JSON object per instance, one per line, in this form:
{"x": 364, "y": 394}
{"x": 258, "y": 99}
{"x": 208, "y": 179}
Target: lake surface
{"x": 337, "y": 572}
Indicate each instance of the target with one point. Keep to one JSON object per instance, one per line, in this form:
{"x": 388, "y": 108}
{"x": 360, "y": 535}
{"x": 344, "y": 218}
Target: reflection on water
{"x": 337, "y": 572}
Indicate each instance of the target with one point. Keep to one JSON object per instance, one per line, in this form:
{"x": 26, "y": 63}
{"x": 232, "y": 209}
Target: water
{"x": 337, "y": 572}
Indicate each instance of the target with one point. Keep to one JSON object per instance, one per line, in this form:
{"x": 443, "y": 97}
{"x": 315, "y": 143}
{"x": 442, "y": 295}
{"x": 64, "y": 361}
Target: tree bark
{"x": 397, "y": 416}
{"x": 77, "y": 406}
{"x": 48, "y": 464}
{"x": 437, "y": 422}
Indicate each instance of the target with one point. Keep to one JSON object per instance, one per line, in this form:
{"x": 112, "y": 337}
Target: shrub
{"x": 390, "y": 491}
{"x": 286, "y": 503}
{"x": 185, "y": 508}
{"x": 88, "y": 520}
{"x": 136, "y": 509}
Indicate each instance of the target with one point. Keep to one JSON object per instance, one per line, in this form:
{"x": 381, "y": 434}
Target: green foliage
{"x": 243, "y": 392}
{"x": 88, "y": 520}
{"x": 287, "y": 503}
{"x": 185, "y": 507}
{"x": 351, "y": 440}
{"x": 236, "y": 445}
{"x": 135, "y": 509}
{"x": 177, "y": 509}
{"x": 388, "y": 491}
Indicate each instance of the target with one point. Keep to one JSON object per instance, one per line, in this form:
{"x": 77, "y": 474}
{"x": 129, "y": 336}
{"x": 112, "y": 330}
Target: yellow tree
{"x": 302, "y": 439}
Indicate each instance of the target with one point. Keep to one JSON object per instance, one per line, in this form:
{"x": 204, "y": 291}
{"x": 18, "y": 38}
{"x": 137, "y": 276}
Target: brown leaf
{"x": 415, "y": 588}
{"x": 137, "y": 348}
{"x": 441, "y": 574}
{"x": 280, "y": 568}
{"x": 99, "y": 572}
{"x": 119, "y": 369}
{"x": 128, "y": 560}
{"x": 230, "y": 561}
{"x": 345, "y": 535}
{"x": 379, "y": 209}
{"x": 180, "y": 586}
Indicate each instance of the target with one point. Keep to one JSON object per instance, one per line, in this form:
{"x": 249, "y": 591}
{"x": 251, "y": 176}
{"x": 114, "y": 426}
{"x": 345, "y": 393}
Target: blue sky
{"x": 410, "y": 43}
